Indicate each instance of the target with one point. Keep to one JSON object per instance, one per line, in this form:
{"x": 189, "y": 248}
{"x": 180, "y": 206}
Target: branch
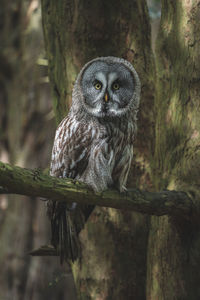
{"x": 46, "y": 250}
{"x": 16, "y": 180}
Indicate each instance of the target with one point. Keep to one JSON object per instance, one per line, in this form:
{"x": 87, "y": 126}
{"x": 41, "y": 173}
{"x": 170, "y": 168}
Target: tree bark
{"x": 75, "y": 32}
{"x": 21, "y": 181}
{"x": 174, "y": 243}
{"x": 26, "y": 134}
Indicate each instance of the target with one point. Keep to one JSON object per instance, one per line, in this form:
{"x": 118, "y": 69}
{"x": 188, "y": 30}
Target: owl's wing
{"x": 71, "y": 149}
{"x": 69, "y": 159}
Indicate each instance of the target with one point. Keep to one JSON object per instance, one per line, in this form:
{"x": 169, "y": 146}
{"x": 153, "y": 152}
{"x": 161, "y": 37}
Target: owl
{"x": 94, "y": 142}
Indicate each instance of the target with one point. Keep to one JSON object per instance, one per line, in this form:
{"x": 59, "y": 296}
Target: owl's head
{"x": 108, "y": 87}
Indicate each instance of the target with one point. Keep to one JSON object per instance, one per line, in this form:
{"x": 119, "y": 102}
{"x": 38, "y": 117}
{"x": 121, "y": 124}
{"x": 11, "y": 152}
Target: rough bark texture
{"x": 35, "y": 183}
{"x": 75, "y": 32}
{"x": 174, "y": 244}
{"x": 26, "y": 134}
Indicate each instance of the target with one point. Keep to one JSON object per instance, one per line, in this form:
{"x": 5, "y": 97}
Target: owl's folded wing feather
{"x": 71, "y": 148}
{"x": 69, "y": 159}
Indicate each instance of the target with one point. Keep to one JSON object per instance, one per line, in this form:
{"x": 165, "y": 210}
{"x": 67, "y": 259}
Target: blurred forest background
{"x": 27, "y": 128}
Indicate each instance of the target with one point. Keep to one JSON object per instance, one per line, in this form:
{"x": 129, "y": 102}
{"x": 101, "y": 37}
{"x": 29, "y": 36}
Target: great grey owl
{"x": 94, "y": 142}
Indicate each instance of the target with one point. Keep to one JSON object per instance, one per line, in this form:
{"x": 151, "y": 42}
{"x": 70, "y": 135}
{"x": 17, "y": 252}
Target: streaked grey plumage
{"x": 94, "y": 143}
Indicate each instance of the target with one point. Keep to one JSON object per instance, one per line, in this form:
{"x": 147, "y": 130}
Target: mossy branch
{"x": 16, "y": 180}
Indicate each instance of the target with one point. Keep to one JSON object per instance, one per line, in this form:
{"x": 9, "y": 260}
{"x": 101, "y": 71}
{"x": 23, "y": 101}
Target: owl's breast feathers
{"x": 91, "y": 151}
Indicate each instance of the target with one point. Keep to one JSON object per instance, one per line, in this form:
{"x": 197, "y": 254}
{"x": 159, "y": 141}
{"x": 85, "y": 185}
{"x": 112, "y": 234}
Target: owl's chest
{"x": 112, "y": 141}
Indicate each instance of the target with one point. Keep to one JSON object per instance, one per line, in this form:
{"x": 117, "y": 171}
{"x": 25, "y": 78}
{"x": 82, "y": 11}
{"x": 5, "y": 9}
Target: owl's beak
{"x": 106, "y": 97}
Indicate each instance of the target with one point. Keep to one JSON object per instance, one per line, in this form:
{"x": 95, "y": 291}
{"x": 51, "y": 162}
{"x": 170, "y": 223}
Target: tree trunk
{"x": 25, "y": 141}
{"x": 174, "y": 243}
{"x": 113, "y": 262}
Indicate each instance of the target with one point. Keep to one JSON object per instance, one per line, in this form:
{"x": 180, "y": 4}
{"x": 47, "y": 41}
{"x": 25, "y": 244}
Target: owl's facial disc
{"x": 107, "y": 89}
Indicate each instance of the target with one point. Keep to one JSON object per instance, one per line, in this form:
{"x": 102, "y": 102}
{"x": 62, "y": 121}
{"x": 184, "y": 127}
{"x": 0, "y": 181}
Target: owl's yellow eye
{"x": 115, "y": 86}
{"x": 98, "y": 86}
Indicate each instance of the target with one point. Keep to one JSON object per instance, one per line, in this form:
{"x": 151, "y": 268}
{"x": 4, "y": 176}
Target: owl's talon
{"x": 123, "y": 189}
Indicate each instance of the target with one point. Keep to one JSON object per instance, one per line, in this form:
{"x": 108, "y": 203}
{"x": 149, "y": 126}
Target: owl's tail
{"x": 64, "y": 232}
